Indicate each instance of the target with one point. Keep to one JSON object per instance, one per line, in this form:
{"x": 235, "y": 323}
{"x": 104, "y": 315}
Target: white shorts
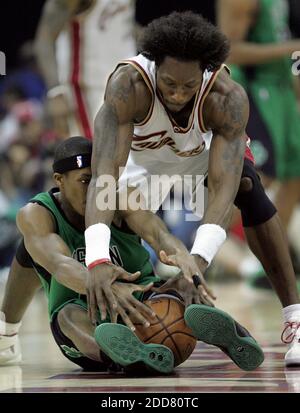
{"x": 155, "y": 181}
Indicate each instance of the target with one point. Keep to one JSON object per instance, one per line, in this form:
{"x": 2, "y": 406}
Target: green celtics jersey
{"x": 271, "y": 26}
{"x": 125, "y": 250}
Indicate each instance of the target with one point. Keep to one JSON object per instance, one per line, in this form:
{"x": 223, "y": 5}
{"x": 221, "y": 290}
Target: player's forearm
{"x": 110, "y": 152}
{"x": 71, "y": 274}
{"x": 46, "y": 58}
{"x": 246, "y": 53}
{"x": 153, "y": 230}
{"x": 225, "y": 169}
{"x": 168, "y": 243}
{"x": 219, "y": 209}
{"x": 95, "y": 212}
{"x": 101, "y": 196}
{"x": 220, "y": 202}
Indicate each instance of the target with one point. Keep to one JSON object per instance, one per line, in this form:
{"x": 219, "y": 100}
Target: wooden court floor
{"x": 44, "y": 369}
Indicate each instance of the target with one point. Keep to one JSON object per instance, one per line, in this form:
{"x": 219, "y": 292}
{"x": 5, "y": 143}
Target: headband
{"x": 72, "y": 163}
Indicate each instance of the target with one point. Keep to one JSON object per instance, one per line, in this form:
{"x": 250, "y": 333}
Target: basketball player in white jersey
{"x": 77, "y": 43}
{"x": 174, "y": 110}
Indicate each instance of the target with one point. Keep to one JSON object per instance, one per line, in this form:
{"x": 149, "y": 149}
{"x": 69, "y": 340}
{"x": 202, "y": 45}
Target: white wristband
{"x": 209, "y": 239}
{"x": 97, "y": 238}
{"x": 56, "y": 91}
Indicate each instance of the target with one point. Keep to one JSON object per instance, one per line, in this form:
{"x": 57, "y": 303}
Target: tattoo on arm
{"x": 235, "y": 114}
{"x": 232, "y": 157}
{"x": 226, "y": 157}
{"x": 228, "y": 146}
{"x": 121, "y": 91}
{"x": 114, "y": 124}
{"x": 106, "y": 128}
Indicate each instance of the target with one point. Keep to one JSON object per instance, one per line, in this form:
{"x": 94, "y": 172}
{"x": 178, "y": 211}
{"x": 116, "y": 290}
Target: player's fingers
{"x": 196, "y": 300}
{"x": 158, "y": 289}
{"x": 113, "y": 313}
{"x": 101, "y": 303}
{"x": 88, "y": 304}
{"x": 210, "y": 292}
{"x": 204, "y": 297}
{"x": 188, "y": 277}
{"x": 92, "y": 306}
{"x": 188, "y": 300}
{"x": 125, "y": 318}
{"x": 143, "y": 308}
{"x": 207, "y": 288}
{"x": 145, "y": 288}
{"x": 126, "y": 276}
{"x": 164, "y": 287}
{"x": 137, "y": 315}
{"x": 113, "y": 316}
{"x": 167, "y": 259}
{"x": 110, "y": 298}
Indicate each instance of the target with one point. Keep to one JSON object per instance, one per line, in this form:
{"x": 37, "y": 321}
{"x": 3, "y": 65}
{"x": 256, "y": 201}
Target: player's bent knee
{"x": 256, "y": 208}
{"x": 246, "y": 185}
{"x": 65, "y": 317}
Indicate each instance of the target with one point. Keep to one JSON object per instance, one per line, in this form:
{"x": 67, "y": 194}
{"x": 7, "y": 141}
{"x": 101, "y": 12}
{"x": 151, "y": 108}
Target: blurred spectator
{"x": 26, "y": 77}
{"x": 22, "y": 170}
{"x": 9, "y": 125}
{"x": 261, "y": 49}
{"x": 78, "y": 44}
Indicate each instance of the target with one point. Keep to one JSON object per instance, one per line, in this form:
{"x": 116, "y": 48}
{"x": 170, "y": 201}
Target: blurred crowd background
{"x": 33, "y": 111}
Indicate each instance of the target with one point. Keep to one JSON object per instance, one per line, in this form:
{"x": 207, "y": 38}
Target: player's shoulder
{"x": 227, "y": 101}
{"x": 34, "y": 215}
{"x": 226, "y": 89}
{"x": 126, "y": 85}
{"x": 127, "y": 75}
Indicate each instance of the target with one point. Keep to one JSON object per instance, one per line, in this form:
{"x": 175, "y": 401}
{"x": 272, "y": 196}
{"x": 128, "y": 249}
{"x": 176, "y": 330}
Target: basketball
{"x": 168, "y": 328}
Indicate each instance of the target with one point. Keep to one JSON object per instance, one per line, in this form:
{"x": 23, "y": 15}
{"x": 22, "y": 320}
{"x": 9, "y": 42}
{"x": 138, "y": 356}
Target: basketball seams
{"x": 166, "y": 328}
{"x": 178, "y": 339}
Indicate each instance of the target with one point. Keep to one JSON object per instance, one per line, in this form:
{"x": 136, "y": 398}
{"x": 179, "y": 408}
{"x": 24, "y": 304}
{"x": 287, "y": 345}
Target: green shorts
{"x": 274, "y": 129}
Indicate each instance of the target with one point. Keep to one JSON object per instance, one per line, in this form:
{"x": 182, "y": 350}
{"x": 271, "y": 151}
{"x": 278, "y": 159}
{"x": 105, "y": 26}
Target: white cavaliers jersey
{"x": 160, "y": 146}
{"x": 92, "y": 44}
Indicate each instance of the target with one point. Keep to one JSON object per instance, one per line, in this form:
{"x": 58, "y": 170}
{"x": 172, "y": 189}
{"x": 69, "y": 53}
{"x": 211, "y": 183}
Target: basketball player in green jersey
{"x": 52, "y": 224}
{"x": 261, "y": 51}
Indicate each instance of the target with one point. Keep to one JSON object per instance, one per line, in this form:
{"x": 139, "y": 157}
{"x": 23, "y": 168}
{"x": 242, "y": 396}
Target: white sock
{"x": 9, "y": 329}
{"x": 291, "y": 312}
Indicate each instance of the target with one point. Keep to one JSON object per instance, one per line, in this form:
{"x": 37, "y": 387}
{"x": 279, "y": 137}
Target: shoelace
{"x": 293, "y": 326}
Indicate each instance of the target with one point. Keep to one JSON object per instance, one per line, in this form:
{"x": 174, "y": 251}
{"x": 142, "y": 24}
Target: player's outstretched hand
{"x": 98, "y": 288}
{"x": 129, "y": 308}
{"x": 189, "y": 293}
{"x": 190, "y": 271}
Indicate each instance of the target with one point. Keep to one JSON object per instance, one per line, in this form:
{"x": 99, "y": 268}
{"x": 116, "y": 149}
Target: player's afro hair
{"x": 185, "y": 36}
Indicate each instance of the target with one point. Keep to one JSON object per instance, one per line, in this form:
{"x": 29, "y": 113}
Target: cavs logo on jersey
{"x": 159, "y": 139}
